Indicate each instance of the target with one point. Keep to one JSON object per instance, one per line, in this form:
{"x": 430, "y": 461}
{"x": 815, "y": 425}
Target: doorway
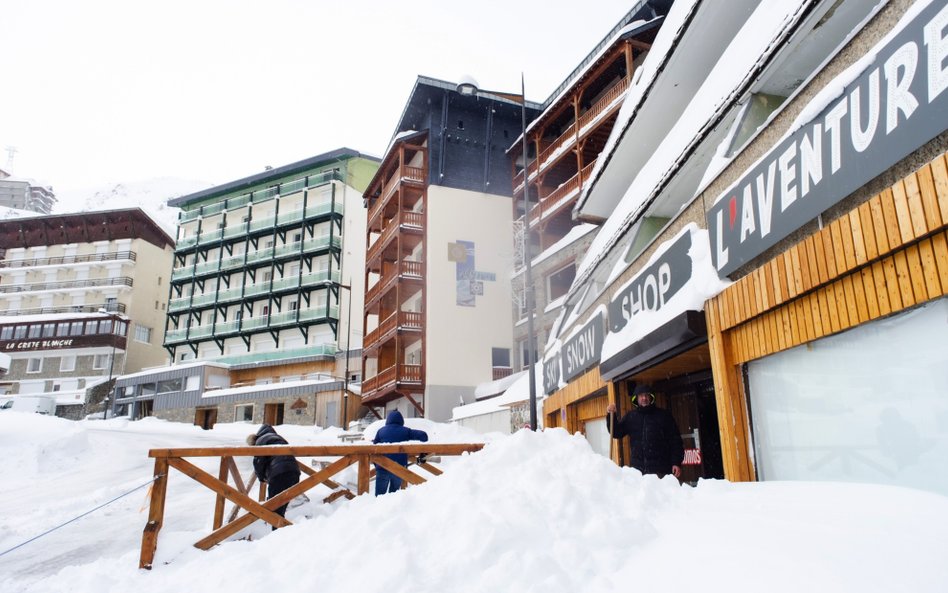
{"x": 690, "y": 399}
{"x": 273, "y": 414}
{"x": 206, "y": 418}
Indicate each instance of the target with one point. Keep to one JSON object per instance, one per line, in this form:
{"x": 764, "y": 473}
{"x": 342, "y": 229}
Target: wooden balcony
{"x": 560, "y": 198}
{"x": 398, "y": 321}
{"x": 605, "y": 106}
{"x": 387, "y": 384}
{"x": 407, "y": 221}
{"x": 410, "y": 270}
{"x": 404, "y": 174}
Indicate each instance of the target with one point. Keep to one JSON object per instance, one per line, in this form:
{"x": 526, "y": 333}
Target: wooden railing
{"x": 362, "y": 455}
{"x": 400, "y": 319}
{"x": 412, "y": 220}
{"x": 603, "y": 103}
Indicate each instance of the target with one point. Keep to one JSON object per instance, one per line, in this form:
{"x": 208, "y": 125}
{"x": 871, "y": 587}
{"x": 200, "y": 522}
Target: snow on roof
{"x": 174, "y": 367}
{"x": 575, "y": 234}
{"x": 51, "y": 317}
{"x": 518, "y": 392}
{"x": 494, "y": 387}
{"x": 767, "y": 23}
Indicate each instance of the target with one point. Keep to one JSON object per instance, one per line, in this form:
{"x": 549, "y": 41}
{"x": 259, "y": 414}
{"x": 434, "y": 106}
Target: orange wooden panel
{"x": 796, "y": 272}
{"x": 805, "y": 319}
{"x": 859, "y": 242}
{"x": 891, "y": 216}
{"x": 940, "y": 247}
{"x": 917, "y": 275}
{"x": 783, "y": 314}
{"x": 767, "y": 286}
{"x": 882, "y": 288}
{"x": 926, "y": 185}
{"x": 755, "y": 302}
{"x": 791, "y": 322}
{"x": 828, "y": 310}
{"x": 803, "y": 270}
{"x": 892, "y": 284}
{"x": 869, "y": 290}
{"x": 779, "y": 294}
{"x": 810, "y": 246}
{"x": 879, "y": 228}
{"x": 905, "y": 281}
{"x": 868, "y": 231}
{"x": 904, "y": 216}
{"x": 739, "y": 293}
{"x": 747, "y": 304}
{"x": 820, "y": 252}
{"x": 915, "y": 206}
{"x": 851, "y": 306}
{"x": 777, "y": 329}
{"x": 816, "y": 315}
{"x": 839, "y": 252}
{"x": 785, "y": 287}
{"x": 859, "y": 293}
{"x": 846, "y": 237}
{"x": 940, "y": 175}
{"x": 842, "y": 307}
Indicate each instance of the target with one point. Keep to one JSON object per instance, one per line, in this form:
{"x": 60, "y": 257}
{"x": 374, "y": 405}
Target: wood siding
{"x": 885, "y": 256}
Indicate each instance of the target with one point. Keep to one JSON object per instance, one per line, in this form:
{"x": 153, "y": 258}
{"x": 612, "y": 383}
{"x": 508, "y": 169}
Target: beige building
{"x": 82, "y": 298}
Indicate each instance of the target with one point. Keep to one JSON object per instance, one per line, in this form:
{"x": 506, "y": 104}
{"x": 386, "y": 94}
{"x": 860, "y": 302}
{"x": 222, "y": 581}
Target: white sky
{"x": 108, "y": 91}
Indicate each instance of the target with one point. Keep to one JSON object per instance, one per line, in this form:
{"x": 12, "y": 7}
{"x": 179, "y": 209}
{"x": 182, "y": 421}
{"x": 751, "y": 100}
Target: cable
{"x": 48, "y": 531}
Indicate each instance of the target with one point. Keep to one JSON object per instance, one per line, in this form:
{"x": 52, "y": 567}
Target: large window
{"x": 866, "y": 405}
{"x": 558, "y": 283}
{"x": 100, "y": 361}
{"x": 67, "y": 363}
{"x": 243, "y": 413}
{"x": 142, "y": 334}
{"x": 34, "y": 365}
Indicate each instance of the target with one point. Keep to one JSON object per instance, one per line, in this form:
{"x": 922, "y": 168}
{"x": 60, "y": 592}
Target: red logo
{"x": 732, "y": 211}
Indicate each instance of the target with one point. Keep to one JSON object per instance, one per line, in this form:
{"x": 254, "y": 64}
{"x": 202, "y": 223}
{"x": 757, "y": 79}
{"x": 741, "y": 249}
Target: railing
{"x": 119, "y": 281}
{"x": 402, "y": 174}
{"x": 363, "y": 456}
{"x": 561, "y": 196}
{"x": 69, "y": 259}
{"x": 404, "y": 268}
{"x": 274, "y": 320}
{"x": 409, "y": 320}
{"x": 501, "y": 372}
{"x": 109, "y": 307}
{"x": 603, "y": 103}
{"x": 407, "y": 219}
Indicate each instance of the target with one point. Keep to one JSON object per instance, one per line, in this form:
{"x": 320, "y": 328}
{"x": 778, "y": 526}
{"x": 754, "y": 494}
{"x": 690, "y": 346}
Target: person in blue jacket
{"x": 394, "y": 431}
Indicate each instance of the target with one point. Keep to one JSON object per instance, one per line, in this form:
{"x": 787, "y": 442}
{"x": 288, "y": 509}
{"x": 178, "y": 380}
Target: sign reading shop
{"x": 895, "y": 106}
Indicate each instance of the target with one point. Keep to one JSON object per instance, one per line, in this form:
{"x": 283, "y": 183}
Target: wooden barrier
{"x": 363, "y": 455}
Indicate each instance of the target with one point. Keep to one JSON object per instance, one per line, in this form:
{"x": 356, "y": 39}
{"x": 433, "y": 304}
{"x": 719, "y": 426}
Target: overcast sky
{"x": 100, "y": 91}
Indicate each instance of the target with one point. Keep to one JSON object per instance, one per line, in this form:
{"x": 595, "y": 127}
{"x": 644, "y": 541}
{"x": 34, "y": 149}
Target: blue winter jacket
{"x": 395, "y": 431}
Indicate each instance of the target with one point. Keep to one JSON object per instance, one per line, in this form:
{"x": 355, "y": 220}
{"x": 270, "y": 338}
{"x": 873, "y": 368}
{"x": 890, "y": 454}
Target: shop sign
{"x": 46, "y": 344}
{"x": 893, "y": 107}
{"x": 654, "y": 286}
{"x": 582, "y": 350}
{"x": 551, "y": 374}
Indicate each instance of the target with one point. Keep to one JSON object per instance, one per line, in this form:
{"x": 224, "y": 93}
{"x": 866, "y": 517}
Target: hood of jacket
{"x": 265, "y": 429}
{"x": 394, "y": 417}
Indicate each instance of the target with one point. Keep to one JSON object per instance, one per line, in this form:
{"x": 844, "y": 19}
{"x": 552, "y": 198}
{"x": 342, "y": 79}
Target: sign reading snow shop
{"x": 895, "y": 106}
{"x": 579, "y": 353}
{"x": 653, "y": 286}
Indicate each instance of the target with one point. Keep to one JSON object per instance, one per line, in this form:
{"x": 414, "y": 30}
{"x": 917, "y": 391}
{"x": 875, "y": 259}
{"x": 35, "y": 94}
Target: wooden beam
{"x": 156, "y": 513}
{"x": 398, "y": 469}
{"x": 321, "y": 450}
{"x": 219, "y": 502}
{"x": 363, "y": 473}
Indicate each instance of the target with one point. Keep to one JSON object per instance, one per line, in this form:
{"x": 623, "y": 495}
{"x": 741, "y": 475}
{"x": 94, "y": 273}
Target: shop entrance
{"x": 690, "y": 399}
{"x": 206, "y": 418}
{"x": 273, "y": 414}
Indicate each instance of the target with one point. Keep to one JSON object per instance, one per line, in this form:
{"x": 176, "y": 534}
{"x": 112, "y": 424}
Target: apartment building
{"x": 82, "y": 299}
{"x": 439, "y": 255}
{"x": 266, "y": 271}
{"x": 24, "y": 194}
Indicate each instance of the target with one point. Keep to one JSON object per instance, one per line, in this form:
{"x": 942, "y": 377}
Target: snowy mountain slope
{"x": 151, "y": 196}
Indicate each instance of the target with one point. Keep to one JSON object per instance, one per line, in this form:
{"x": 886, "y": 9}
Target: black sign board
{"x": 896, "y": 105}
{"x": 583, "y": 350}
{"x": 551, "y": 374}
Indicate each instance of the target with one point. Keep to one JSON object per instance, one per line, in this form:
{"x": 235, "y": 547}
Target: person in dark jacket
{"x": 655, "y": 442}
{"x": 394, "y": 431}
{"x": 279, "y": 472}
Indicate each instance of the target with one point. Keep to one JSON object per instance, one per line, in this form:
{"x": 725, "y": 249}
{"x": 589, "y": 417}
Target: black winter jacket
{"x": 395, "y": 431}
{"x": 269, "y": 467}
{"x": 654, "y": 439}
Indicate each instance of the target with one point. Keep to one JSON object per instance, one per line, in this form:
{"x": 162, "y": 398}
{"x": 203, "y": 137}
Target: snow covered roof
{"x": 268, "y": 389}
{"x": 494, "y": 387}
{"x": 50, "y": 317}
{"x": 758, "y": 37}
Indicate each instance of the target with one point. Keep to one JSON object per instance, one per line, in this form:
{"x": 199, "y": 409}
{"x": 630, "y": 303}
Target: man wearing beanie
{"x": 655, "y": 442}
{"x": 278, "y": 471}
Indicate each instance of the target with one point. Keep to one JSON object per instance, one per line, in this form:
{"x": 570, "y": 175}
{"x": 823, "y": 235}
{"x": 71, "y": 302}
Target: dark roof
{"x": 271, "y": 174}
{"x": 82, "y": 227}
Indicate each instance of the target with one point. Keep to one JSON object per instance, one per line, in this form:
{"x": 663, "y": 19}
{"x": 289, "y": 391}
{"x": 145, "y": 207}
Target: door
{"x": 332, "y": 414}
{"x": 273, "y": 414}
{"x": 206, "y": 418}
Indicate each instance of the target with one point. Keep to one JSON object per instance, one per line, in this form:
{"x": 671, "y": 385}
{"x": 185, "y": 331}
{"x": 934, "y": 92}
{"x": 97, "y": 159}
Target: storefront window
{"x": 867, "y": 405}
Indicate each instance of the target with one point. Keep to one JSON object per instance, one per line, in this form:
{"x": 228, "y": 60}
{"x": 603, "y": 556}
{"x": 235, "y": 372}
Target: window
{"x": 294, "y": 305}
{"x": 243, "y": 413}
{"x": 142, "y": 334}
{"x": 34, "y": 365}
{"x": 297, "y": 237}
{"x": 558, "y": 283}
{"x": 500, "y": 357}
{"x": 170, "y": 385}
{"x": 35, "y": 331}
{"x": 100, "y": 361}
{"x": 75, "y": 328}
{"x": 522, "y": 347}
{"x": 67, "y": 363}
{"x": 62, "y": 329}
{"x": 105, "y": 326}
{"x": 92, "y": 328}
{"x": 6, "y": 333}
{"x": 20, "y": 332}
{"x": 111, "y": 303}
{"x": 49, "y": 329}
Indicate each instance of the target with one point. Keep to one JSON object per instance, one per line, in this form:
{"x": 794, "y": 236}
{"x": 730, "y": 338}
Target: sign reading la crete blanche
{"x": 583, "y": 350}
{"x": 895, "y": 106}
{"x": 654, "y": 285}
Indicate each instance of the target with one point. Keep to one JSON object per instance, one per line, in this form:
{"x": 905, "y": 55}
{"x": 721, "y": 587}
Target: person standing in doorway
{"x": 394, "y": 431}
{"x": 279, "y": 472}
{"x": 655, "y": 442}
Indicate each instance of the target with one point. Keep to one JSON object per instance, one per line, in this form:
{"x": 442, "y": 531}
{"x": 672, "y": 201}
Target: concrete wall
{"x": 147, "y": 306}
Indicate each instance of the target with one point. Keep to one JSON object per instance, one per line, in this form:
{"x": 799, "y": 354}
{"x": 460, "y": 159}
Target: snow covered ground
{"x": 531, "y": 512}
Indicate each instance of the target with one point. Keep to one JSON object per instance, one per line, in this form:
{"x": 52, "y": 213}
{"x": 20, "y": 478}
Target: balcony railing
{"x": 404, "y": 269}
{"x": 403, "y": 174}
{"x": 109, "y": 307}
{"x": 561, "y": 196}
{"x": 606, "y": 103}
{"x": 408, "y": 220}
{"x": 406, "y": 375}
{"x": 66, "y": 285}
{"x": 276, "y": 320}
{"x": 267, "y": 253}
{"x": 252, "y": 290}
{"x": 409, "y": 320}
{"x": 69, "y": 259}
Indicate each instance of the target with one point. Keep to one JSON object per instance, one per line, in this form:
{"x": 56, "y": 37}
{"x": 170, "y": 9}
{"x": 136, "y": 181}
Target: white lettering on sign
{"x": 581, "y": 351}
{"x": 648, "y": 295}
{"x": 692, "y": 457}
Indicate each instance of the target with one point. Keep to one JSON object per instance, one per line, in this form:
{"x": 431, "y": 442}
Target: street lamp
{"x": 468, "y": 87}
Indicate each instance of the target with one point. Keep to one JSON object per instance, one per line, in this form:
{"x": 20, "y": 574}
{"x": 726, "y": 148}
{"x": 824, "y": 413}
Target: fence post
{"x": 156, "y": 513}
{"x": 364, "y": 471}
{"x": 219, "y": 503}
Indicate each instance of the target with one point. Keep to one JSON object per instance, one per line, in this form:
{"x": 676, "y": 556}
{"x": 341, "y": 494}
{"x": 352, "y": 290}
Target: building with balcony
{"x": 79, "y": 302}
{"x": 563, "y": 144}
{"x": 438, "y": 252}
{"x": 266, "y": 271}
{"x": 25, "y": 194}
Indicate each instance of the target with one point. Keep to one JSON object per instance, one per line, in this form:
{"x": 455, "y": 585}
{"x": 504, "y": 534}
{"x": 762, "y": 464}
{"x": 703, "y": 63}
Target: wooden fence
{"x": 346, "y": 455}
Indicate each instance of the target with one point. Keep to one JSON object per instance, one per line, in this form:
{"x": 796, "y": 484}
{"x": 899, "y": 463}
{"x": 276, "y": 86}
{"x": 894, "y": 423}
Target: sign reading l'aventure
{"x": 895, "y": 106}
